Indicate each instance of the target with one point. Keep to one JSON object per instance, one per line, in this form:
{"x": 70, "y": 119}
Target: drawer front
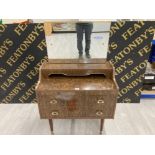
{"x": 96, "y": 106}
{"x": 65, "y": 105}
{"x": 100, "y": 106}
{"x": 78, "y": 105}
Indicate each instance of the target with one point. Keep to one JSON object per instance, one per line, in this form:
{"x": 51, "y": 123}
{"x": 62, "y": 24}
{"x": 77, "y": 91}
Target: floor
{"x": 23, "y": 119}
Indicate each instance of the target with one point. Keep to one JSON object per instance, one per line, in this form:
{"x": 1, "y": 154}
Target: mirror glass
{"x": 82, "y": 39}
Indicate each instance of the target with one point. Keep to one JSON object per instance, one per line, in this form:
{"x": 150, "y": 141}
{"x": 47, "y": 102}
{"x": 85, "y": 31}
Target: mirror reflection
{"x": 82, "y": 39}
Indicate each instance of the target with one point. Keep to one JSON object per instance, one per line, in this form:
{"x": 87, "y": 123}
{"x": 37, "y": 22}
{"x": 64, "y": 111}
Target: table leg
{"x": 51, "y": 125}
{"x": 101, "y": 125}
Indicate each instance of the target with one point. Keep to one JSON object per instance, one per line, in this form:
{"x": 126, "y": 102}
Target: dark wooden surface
{"x": 77, "y": 67}
{"x": 51, "y": 126}
{"x": 76, "y": 89}
{"x": 101, "y": 125}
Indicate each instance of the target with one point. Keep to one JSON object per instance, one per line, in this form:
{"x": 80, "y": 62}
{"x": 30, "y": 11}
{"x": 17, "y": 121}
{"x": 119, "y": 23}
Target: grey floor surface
{"x": 23, "y": 119}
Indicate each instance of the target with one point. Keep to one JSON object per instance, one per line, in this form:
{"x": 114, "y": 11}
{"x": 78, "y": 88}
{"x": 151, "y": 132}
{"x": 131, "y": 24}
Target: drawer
{"x": 61, "y": 114}
{"x": 57, "y": 107}
{"x": 102, "y": 107}
{"x": 78, "y": 105}
{"x": 95, "y": 106}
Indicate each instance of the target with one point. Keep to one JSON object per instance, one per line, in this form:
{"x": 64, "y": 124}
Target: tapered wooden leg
{"x": 101, "y": 125}
{"x": 51, "y": 126}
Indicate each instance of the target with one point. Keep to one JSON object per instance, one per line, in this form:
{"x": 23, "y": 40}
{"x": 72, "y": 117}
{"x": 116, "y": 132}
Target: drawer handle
{"x": 54, "y": 113}
{"x": 53, "y": 101}
{"x": 100, "y": 101}
{"x": 99, "y": 113}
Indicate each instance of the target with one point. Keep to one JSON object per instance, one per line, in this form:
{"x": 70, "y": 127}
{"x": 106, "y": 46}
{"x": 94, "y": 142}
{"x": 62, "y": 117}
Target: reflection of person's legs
{"x": 79, "y": 30}
{"x": 88, "y": 31}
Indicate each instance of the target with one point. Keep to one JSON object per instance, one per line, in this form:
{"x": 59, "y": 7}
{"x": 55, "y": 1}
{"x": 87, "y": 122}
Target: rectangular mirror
{"x": 78, "y": 39}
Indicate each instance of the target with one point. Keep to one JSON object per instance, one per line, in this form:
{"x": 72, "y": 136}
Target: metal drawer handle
{"x": 100, "y": 101}
{"x": 54, "y": 113}
{"x": 99, "y": 113}
{"x": 53, "y": 101}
